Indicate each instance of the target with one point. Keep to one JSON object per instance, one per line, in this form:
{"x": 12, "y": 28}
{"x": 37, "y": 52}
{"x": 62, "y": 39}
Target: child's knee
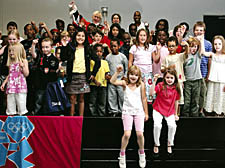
{"x": 140, "y": 135}
{"x": 158, "y": 125}
{"x": 127, "y": 135}
{"x": 172, "y": 125}
{"x": 73, "y": 99}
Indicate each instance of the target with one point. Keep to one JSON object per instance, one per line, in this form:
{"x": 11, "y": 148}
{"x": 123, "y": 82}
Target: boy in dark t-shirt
{"x": 45, "y": 73}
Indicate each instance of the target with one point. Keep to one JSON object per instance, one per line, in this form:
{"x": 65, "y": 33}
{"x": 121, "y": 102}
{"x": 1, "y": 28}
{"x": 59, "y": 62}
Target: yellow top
{"x": 100, "y": 76}
{"x": 79, "y": 62}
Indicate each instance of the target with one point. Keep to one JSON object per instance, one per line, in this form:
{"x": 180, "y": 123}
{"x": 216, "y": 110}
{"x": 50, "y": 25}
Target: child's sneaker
{"x": 122, "y": 161}
{"x": 142, "y": 160}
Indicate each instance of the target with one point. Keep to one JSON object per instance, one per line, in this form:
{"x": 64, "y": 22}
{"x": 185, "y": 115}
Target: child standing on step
{"x": 16, "y": 88}
{"x": 135, "y": 110}
{"x": 215, "y": 98}
{"x": 165, "y": 106}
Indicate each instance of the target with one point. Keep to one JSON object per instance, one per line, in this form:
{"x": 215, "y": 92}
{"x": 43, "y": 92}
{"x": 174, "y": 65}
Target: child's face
{"x": 80, "y": 38}
{"x": 46, "y": 47}
{"x": 161, "y": 25}
{"x": 57, "y": 54}
{"x": 99, "y": 52}
{"x": 55, "y": 35}
{"x": 114, "y": 47}
{"x": 179, "y": 32}
{"x": 218, "y": 45}
{"x": 172, "y": 47}
{"x": 71, "y": 30}
{"x": 170, "y": 79}
{"x": 30, "y": 32}
{"x": 12, "y": 39}
{"x": 65, "y": 38}
{"x": 133, "y": 77}
{"x": 97, "y": 38}
{"x": 11, "y": 53}
{"x": 115, "y": 31}
{"x": 199, "y": 31}
{"x": 126, "y": 39}
{"x": 162, "y": 37}
{"x": 193, "y": 49}
{"x": 116, "y": 19}
{"x": 142, "y": 37}
{"x": 10, "y": 28}
{"x": 133, "y": 31}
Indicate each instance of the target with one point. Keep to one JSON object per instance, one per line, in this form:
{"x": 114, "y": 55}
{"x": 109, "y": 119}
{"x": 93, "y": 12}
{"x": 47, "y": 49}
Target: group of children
{"x": 179, "y": 75}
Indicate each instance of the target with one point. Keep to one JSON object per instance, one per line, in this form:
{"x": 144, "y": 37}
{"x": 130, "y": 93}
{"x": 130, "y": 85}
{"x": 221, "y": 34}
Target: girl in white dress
{"x": 215, "y": 99}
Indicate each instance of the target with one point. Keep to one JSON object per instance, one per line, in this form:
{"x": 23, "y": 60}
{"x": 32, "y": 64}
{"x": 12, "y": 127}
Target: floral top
{"x": 17, "y": 81}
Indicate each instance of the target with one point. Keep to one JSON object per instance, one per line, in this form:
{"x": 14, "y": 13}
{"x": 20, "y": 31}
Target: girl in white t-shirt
{"x": 142, "y": 54}
{"x": 215, "y": 99}
{"x": 135, "y": 110}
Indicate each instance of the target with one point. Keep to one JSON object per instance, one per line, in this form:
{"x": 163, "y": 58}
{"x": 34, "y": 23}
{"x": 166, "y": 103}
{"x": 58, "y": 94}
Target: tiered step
{"x": 199, "y": 142}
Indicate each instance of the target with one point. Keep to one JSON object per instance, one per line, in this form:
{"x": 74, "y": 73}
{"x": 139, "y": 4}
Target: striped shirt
{"x": 204, "y": 61}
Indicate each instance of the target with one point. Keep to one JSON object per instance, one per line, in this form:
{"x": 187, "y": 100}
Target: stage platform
{"x": 199, "y": 142}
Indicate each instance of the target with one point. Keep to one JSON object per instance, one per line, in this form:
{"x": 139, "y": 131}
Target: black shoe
{"x": 156, "y": 155}
{"x": 170, "y": 154}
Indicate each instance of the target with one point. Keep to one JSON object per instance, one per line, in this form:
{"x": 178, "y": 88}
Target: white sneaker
{"x": 142, "y": 160}
{"x": 122, "y": 161}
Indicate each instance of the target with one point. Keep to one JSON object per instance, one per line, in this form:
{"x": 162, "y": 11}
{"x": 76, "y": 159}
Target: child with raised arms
{"x": 135, "y": 110}
{"x": 165, "y": 106}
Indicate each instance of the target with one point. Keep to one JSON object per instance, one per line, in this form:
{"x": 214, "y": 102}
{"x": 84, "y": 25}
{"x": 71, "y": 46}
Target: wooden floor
{"x": 199, "y": 142}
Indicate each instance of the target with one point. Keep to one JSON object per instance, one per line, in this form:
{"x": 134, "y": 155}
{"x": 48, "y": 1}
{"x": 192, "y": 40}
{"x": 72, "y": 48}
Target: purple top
{"x": 17, "y": 81}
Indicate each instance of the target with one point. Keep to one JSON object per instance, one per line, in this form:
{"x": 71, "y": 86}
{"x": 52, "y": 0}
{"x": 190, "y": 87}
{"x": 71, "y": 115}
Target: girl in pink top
{"x": 142, "y": 54}
{"x": 16, "y": 88}
{"x": 165, "y": 106}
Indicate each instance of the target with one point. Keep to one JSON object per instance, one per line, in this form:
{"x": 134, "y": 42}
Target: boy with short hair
{"x": 115, "y": 93}
{"x": 193, "y": 76}
{"x": 46, "y": 72}
{"x": 176, "y": 60}
{"x": 126, "y": 45}
{"x": 97, "y": 98}
{"x": 199, "y": 30}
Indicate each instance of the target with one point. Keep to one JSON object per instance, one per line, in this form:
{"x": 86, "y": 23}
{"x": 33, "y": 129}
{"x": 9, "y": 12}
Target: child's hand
{"x": 21, "y": 64}
{"x": 33, "y": 23}
{"x": 176, "y": 117}
{"x": 119, "y": 68}
{"x": 91, "y": 77}
{"x": 97, "y": 83}
{"x": 200, "y": 37}
{"x": 152, "y": 32}
{"x": 35, "y": 41}
{"x": 72, "y": 4}
{"x": 158, "y": 46}
{"x": 104, "y": 45}
{"x": 146, "y": 117}
{"x": 42, "y": 25}
{"x": 156, "y": 76}
{"x": 2, "y": 87}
